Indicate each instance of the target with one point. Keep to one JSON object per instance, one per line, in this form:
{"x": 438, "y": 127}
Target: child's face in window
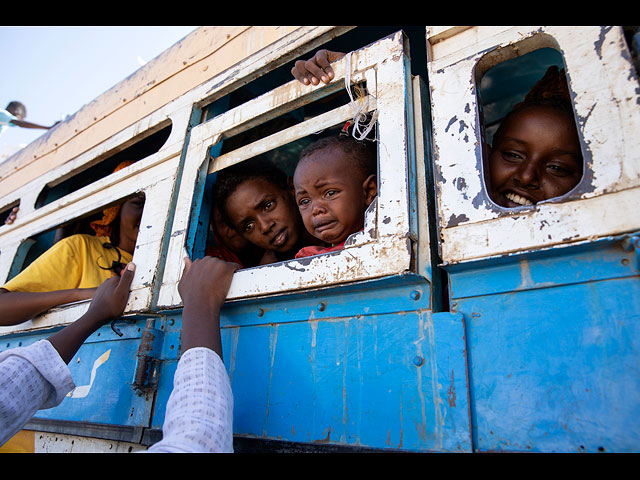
{"x": 265, "y": 215}
{"x": 228, "y": 235}
{"x": 130, "y": 215}
{"x": 332, "y": 194}
{"x": 535, "y": 156}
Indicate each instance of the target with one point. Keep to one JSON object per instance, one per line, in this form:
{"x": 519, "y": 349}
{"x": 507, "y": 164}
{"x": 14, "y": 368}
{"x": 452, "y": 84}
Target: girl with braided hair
{"x": 536, "y": 152}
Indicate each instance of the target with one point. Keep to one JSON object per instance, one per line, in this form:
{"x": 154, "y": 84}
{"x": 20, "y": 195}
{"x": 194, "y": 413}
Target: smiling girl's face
{"x": 535, "y": 156}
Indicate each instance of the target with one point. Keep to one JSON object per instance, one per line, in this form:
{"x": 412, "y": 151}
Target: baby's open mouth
{"x": 323, "y": 225}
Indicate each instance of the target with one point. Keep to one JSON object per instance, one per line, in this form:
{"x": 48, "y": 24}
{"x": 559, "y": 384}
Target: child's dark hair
{"x": 363, "y": 153}
{"x": 17, "y": 109}
{"x": 550, "y": 91}
{"x": 229, "y": 179}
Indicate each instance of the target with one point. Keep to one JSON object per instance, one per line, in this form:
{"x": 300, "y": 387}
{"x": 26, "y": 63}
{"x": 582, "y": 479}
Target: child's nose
{"x": 265, "y": 224}
{"x": 527, "y": 174}
{"x": 318, "y": 207}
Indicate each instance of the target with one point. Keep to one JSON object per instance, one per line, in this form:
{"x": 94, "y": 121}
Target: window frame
{"x": 159, "y": 176}
{"x": 470, "y": 225}
{"x": 153, "y": 175}
{"x": 367, "y": 255}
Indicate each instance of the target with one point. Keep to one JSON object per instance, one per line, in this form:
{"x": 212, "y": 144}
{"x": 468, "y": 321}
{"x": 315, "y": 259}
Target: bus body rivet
{"x": 418, "y": 360}
{"x": 415, "y": 295}
{"x": 321, "y": 306}
{"x": 260, "y": 312}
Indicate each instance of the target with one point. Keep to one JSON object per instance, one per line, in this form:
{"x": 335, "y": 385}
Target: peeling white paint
{"x": 607, "y": 107}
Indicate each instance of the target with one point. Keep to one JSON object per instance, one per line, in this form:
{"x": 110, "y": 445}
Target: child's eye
{"x": 511, "y": 156}
{"x": 559, "y": 170}
{"x": 268, "y": 205}
{"x": 303, "y": 202}
{"x": 248, "y": 227}
{"x": 331, "y": 193}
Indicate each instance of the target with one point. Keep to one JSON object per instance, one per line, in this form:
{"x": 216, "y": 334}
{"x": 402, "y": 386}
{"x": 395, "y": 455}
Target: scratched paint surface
{"x": 392, "y": 380}
{"x": 554, "y": 354}
{"x": 108, "y": 397}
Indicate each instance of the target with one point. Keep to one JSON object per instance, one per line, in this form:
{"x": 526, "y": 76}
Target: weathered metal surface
{"x": 103, "y": 371}
{"x": 366, "y": 366}
{"x": 553, "y": 350}
{"x": 604, "y": 88}
{"x": 538, "y": 352}
{"x": 148, "y": 358}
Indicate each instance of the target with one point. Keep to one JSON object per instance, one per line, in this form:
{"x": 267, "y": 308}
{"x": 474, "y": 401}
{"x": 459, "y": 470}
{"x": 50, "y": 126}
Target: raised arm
{"x": 37, "y": 376}
{"x": 108, "y": 302}
{"x": 203, "y": 288}
{"x": 18, "y": 307}
{"x": 199, "y": 416}
{"x": 25, "y": 124}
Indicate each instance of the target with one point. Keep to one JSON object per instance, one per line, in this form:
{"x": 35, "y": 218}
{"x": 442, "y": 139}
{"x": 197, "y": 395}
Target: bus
{"x": 450, "y": 323}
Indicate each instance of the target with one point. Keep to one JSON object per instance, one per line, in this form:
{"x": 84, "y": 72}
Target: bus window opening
{"x": 255, "y": 218}
{"x": 293, "y": 203}
{"x": 73, "y": 268}
{"x": 142, "y": 146}
{"x": 532, "y": 147}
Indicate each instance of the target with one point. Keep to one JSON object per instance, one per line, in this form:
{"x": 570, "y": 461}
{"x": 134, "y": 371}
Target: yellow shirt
{"x": 73, "y": 262}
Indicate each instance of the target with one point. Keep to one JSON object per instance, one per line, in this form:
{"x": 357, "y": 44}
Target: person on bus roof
{"x": 255, "y": 198}
{"x": 13, "y": 116}
{"x": 74, "y": 267}
{"x": 334, "y": 184}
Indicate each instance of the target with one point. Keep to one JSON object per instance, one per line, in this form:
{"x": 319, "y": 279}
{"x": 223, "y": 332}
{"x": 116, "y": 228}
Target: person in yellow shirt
{"x": 73, "y": 268}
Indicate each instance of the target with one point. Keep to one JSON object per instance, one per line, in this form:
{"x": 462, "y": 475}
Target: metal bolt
{"x": 260, "y": 312}
{"x": 415, "y": 295}
{"x": 321, "y": 306}
{"x": 418, "y": 360}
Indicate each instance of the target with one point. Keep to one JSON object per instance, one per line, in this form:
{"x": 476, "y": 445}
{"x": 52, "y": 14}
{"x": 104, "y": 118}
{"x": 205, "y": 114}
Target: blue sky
{"x": 54, "y": 71}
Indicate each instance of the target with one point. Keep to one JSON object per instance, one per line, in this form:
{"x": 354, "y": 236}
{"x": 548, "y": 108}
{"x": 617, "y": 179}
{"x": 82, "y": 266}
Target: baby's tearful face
{"x": 332, "y": 195}
{"x": 535, "y": 156}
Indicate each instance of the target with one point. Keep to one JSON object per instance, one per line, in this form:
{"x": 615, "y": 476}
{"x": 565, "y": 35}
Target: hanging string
{"x": 362, "y": 121}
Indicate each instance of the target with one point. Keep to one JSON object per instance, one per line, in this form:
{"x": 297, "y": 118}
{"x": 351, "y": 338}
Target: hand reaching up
{"x": 316, "y": 68}
{"x": 203, "y": 287}
{"x": 206, "y": 281}
{"x": 109, "y": 302}
{"x": 110, "y": 298}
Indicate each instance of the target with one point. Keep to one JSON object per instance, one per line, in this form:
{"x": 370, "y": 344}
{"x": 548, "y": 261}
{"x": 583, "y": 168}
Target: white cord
{"x": 358, "y": 107}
